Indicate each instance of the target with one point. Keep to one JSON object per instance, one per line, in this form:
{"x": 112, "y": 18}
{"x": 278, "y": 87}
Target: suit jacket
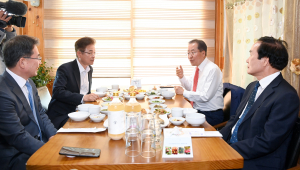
{"x": 265, "y": 132}
{"x": 18, "y": 127}
{"x": 66, "y": 93}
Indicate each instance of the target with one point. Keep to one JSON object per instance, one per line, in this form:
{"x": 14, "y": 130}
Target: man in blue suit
{"x": 262, "y": 127}
{"x": 24, "y": 125}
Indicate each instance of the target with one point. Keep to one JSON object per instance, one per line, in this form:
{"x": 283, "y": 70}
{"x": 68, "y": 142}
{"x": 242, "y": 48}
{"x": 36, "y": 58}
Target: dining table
{"x": 208, "y": 152}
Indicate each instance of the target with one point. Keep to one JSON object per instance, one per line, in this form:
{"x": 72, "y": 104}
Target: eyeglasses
{"x": 39, "y": 58}
{"x": 192, "y": 53}
{"x": 89, "y": 53}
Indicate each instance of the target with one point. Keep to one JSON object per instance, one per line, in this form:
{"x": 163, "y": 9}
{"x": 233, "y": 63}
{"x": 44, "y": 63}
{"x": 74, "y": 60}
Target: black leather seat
{"x": 294, "y": 147}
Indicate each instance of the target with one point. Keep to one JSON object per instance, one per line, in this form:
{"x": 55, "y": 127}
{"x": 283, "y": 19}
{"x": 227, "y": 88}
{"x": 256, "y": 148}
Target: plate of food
{"x": 157, "y": 106}
{"x": 155, "y": 97}
{"x": 166, "y": 111}
{"x": 157, "y": 101}
{"x": 110, "y": 98}
{"x": 149, "y": 93}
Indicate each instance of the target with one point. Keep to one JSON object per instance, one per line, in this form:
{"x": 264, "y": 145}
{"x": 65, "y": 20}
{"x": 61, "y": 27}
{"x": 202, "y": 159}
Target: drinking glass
{"x": 148, "y": 136}
{"x": 132, "y": 135}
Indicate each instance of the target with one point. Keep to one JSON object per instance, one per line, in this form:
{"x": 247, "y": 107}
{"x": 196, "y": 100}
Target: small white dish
{"x": 104, "y": 110}
{"x": 105, "y": 124}
{"x": 78, "y": 116}
{"x": 149, "y": 93}
{"x": 166, "y": 121}
{"x": 153, "y": 97}
{"x": 101, "y": 89}
{"x": 168, "y": 94}
{"x": 157, "y": 101}
{"x": 140, "y": 96}
{"x": 177, "y": 120}
{"x": 109, "y": 99}
{"x": 168, "y": 111}
{"x": 159, "y": 106}
{"x": 195, "y": 119}
{"x": 97, "y": 117}
{"x": 101, "y": 94}
{"x": 177, "y": 112}
{"x": 105, "y": 104}
{"x": 84, "y": 107}
{"x": 189, "y": 110}
{"x": 95, "y": 109}
{"x": 127, "y": 97}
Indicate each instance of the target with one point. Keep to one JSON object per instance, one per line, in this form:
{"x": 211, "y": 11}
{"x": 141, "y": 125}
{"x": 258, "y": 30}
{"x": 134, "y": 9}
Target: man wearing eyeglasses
{"x": 204, "y": 88}
{"x": 24, "y": 125}
{"x": 72, "y": 84}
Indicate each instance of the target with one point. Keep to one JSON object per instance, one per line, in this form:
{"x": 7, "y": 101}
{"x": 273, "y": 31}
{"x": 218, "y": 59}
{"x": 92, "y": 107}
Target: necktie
{"x": 195, "y": 82}
{"x": 233, "y": 138}
{"x": 30, "y": 97}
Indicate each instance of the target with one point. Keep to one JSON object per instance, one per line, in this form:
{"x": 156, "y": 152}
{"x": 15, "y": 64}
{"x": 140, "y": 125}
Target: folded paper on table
{"x": 93, "y": 130}
{"x": 198, "y": 132}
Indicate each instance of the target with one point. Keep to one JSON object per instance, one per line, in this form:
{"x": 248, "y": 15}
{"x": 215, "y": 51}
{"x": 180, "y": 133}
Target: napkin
{"x": 93, "y": 130}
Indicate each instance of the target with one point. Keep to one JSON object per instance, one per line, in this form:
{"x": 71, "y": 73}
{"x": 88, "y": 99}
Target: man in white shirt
{"x": 204, "y": 88}
{"x": 262, "y": 127}
{"x": 72, "y": 84}
{"x": 24, "y": 125}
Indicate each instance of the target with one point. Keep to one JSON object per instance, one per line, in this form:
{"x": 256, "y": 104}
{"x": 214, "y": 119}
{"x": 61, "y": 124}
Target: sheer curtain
{"x": 251, "y": 19}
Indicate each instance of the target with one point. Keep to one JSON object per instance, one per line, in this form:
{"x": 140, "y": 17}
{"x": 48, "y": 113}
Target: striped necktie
{"x": 233, "y": 138}
{"x": 195, "y": 82}
{"x": 30, "y": 97}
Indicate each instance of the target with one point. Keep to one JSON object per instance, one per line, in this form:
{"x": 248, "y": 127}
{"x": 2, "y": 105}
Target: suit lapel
{"x": 19, "y": 94}
{"x": 265, "y": 94}
{"x": 76, "y": 74}
{"x": 243, "y": 103}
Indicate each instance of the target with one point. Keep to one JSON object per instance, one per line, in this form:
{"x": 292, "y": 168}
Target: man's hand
{"x": 3, "y": 17}
{"x": 178, "y": 90}
{"x": 179, "y": 72}
{"x": 90, "y": 97}
{"x": 9, "y": 28}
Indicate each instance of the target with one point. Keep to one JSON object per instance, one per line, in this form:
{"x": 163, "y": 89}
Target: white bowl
{"x": 168, "y": 94}
{"x": 149, "y": 93}
{"x": 177, "y": 112}
{"x": 78, "y": 116}
{"x": 101, "y": 94}
{"x": 97, "y": 117}
{"x": 156, "y": 101}
{"x": 127, "y": 97}
{"x": 105, "y": 104}
{"x": 84, "y": 107}
{"x": 195, "y": 119}
{"x": 95, "y": 109}
{"x": 162, "y": 90}
{"x": 101, "y": 89}
{"x": 155, "y": 97}
{"x": 104, "y": 110}
{"x": 189, "y": 110}
{"x": 181, "y": 120}
{"x": 162, "y": 106}
{"x": 140, "y": 96}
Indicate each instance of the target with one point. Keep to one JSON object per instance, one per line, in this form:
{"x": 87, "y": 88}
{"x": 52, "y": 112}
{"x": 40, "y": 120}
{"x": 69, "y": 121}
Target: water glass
{"x": 148, "y": 136}
{"x": 132, "y": 135}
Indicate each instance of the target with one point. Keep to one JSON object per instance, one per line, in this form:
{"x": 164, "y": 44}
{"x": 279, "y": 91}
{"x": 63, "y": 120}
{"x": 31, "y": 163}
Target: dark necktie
{"x": 30, "y": 97}
{"x": 195, "y": 82}
{"x": 233, "y": 138}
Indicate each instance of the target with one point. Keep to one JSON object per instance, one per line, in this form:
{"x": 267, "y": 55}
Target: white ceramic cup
{"x": 177, "y": 112}
{"x": 95, "y": 109}
{"x": 115, "y": 87}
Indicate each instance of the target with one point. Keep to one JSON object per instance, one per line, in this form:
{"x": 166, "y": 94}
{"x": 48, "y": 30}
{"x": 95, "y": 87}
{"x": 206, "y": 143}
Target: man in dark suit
{"x": 262, "y": 127}
{"x": 72, "y": 84}
{"x": 24, "y": 125}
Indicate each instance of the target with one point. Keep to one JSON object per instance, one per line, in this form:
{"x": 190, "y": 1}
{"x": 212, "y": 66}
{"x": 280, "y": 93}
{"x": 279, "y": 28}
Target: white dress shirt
{"x": 21, "y": 82}
{"x": 84, "y": 78}
{"x": 263, "y": 85}
{"x": 209, "y": 92}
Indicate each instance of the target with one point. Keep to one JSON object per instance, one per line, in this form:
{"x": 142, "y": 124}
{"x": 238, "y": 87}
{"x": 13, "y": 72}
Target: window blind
{"x": 144, "y": 39}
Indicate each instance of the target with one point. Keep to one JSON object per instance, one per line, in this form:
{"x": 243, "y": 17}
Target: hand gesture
{"x": 3, "y": 18}
{"x": 178, "y": 90}
{"x": 90, "y": 97}
{"x": 179, "y": 72}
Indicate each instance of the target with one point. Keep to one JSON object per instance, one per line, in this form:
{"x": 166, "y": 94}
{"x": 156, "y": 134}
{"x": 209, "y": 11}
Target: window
{"x": 144, "y": 39}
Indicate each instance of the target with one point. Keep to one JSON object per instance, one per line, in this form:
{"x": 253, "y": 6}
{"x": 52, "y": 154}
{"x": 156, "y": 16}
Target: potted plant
{"x": 41, "y": 80}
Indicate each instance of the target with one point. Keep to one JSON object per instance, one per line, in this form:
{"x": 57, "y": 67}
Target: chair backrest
{"x": 294, "y": 147}
{"x": 227, "y": 106}
{"x": 45, "y": 96}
